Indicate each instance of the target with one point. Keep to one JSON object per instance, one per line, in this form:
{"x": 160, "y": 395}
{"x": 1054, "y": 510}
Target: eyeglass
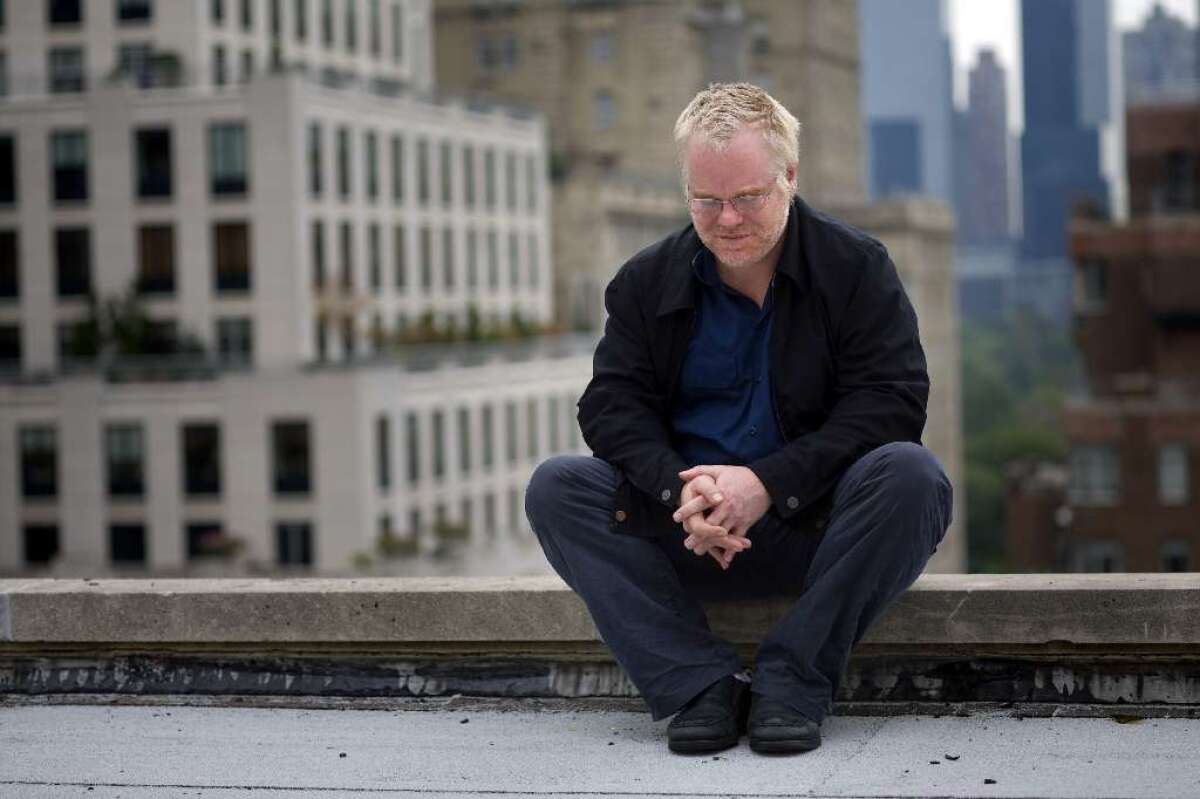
{"x": 711, "y": 207}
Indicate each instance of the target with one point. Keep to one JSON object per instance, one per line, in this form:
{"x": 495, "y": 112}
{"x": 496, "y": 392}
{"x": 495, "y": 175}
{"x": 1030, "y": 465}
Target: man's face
{"x": 744, "y": 167}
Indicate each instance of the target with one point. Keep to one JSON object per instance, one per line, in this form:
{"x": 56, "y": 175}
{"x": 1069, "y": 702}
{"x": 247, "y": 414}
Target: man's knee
{"x": 912, "y": 473}
{"x": 552, "y": 481}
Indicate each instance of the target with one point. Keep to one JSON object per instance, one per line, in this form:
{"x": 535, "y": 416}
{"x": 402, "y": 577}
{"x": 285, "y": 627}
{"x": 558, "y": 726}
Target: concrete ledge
{"x": 1157, "y": 611}
{"x": 1131, "y": 639}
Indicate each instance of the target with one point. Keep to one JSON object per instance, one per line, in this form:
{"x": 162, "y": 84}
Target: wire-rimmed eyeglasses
{"x": 711, "y": 207}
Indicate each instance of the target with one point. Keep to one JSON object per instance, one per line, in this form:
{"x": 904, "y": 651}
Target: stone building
{"x": 1133, "y": 497}
{"x": 283, "y": 198}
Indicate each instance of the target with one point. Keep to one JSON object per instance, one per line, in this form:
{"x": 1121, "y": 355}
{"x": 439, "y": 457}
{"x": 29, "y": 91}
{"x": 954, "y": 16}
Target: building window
{"x": 1175, "y": 556}
{"x": 374, "y": 267}
{"x": 531, "y": 183}
{"x": 289, "y": 443}
{"x": 1101, "y": 556}
{"x": 10, "y": 347}
{"x": 247, "y": 66}
{"x": 127, "y": 544}
{"x": 203, "y": 539}
{"x": 65, "y": 12}
{"x": 349, "y": 337}
{"x": 514, "y": 510}
{"x": 343, "y": 163}
{"x": 472, "y": 260}
{"x": 375, "y": 29}
{"x": 68, "y": 153}
{"x": 73, "y": 260}
{"x": 247, "y": 15}
{"x": 294, "y": 543}
{"x": 40, "y": 543}
{"x": 134, "y": 11}
{"x": 439, "y": 445}
{"x": 346, "y": 248}
{"x": 534, "y": 266}
{"x": 413, "y": 442}
{"x": 231, "y": 250}
{"x": 397, "y": 33}
{"x": 446, "y": 164}
{"x": 531, "y": 427}
{"x": 351, "y": 26}
{"x": 217, "y": 12}
{"x": 552, "y": 420}
{"x": 383, "y": 452}
{"x": 3, "y": 73}
{"x": 487, "y": 457}
{"x": 1092, "y": 286}
{"x": 489, "y": 179}
{"x": 448, "y": 259}
{"x": 201, "y": 459}
{"x": 426, "y": 260}
{"x": 10, "y": 269}
{"x": 8, "y": 169}
{"x": 136, "y": 61}
{"x": 156, "y": 259}
{"x": 572, "y": 423}
{"x": 397, "y": 169}
{"x": 514, "y": 262}
{"x": 510, "y": 181}
{"x": 235, "y": 340}
{"x": 220, "y": 71}
{"x": 39, "y": 461}
{"x": 153, "y": 147}
{"x": 1173, "y": 474}
{"x": 1095, "y": 475}
{"x": 327, "y": 23}
{"x": 1182, "y": 176}
{"x": 372, "y": 158}
{"x": 314, "y": 159}
{"x": 510, "y": 432}
{"x": 300, "y": 18}
{"x": 464, "y": 440}
{"x": 468, "y": 171}
{"x": 227, "y": 158}
{"x": 400, "y": 245}
{"x": 66, "y": 70}
{"x": 318, "y": 254}
{"x": 125, "y": 455}
{"x": 493, "y": 254}
{"x": 602, "y": 47}
{"x": 604, "y": 110}
{"x": 423, "y": 172}
{"x": 276, "y": 24}
{"x": 489, "y": 514}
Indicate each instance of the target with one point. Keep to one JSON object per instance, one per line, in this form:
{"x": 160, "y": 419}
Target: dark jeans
{"x": 890, "y": 510}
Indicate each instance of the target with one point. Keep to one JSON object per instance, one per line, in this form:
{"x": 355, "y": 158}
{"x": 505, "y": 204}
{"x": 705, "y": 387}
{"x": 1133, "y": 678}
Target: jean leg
{"x": 655, "y": 628}
{"x": 891, "y": 509}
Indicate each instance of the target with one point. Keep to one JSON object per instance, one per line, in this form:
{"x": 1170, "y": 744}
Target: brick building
{"x": 1132, "y": 501}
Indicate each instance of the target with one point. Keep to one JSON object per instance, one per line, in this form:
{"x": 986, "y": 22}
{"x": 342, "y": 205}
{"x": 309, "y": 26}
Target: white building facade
{"x": 272, "y": 182}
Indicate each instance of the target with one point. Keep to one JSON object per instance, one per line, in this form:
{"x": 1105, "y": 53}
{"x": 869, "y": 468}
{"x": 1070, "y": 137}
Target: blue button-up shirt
{"x": 723, "y": 412}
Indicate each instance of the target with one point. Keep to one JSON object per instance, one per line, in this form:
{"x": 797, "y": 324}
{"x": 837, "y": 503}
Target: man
{"x": 755, "y": 410}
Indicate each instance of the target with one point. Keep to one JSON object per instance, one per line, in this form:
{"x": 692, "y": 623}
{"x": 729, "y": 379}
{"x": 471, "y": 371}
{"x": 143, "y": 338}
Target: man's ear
{"x": 791, "y": 174}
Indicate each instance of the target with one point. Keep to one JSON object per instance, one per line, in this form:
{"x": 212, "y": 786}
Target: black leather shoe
{"x": 713, "y": 720}
{"x": 775, "y": 728}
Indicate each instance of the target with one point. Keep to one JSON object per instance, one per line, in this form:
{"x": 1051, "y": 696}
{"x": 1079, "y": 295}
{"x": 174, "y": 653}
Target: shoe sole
{"x": 701, "y": 746}
{"x": 784, "y": 746}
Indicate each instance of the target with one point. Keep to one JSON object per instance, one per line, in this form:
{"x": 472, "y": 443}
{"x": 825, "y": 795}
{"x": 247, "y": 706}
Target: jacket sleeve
{"x": 622, "y": 413}
{"x": 881, "y": 388}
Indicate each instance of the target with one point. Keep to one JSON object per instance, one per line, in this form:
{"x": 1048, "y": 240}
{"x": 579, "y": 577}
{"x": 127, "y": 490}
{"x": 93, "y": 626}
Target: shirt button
{"x": 793, "y": 503}
{"x": 621, "y": 515}
{"x": 753, "y": 431}
{"x": 666, "y": 494}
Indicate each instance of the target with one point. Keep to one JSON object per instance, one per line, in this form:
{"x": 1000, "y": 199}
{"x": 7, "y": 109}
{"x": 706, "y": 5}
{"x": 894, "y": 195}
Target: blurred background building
{"x": 263, "y": 295}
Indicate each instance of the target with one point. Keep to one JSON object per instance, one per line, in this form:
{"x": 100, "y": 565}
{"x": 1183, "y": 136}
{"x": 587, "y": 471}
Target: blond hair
{"x": 721, "y": 111}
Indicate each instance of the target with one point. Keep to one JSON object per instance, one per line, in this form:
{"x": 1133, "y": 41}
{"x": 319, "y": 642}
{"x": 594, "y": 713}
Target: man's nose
{"x": 729, "y": 216}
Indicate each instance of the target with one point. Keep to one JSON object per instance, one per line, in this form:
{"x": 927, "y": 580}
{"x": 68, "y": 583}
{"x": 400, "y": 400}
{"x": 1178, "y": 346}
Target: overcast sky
{"x": 993, "y": 23}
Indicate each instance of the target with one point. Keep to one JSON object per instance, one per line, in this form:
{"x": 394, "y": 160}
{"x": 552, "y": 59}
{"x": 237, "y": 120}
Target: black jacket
{"x": 847, "y": 370}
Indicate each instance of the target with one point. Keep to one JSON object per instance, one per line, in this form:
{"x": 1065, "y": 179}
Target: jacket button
{"x": 793, "y": 503}
{"x": 666, "y": 494}
{"x": 621, "y": 515}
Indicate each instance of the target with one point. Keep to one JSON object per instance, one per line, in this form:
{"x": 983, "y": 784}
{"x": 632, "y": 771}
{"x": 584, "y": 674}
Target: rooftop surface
{"x": 570, "y": 748}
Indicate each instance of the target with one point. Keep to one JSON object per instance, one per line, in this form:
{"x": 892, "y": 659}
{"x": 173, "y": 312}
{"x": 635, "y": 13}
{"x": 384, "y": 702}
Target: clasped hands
{"x": 718, "y": 506}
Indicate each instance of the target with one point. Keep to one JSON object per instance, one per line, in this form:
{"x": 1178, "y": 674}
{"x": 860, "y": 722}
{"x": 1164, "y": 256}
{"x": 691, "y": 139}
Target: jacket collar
{"x": 680, "y": 282}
